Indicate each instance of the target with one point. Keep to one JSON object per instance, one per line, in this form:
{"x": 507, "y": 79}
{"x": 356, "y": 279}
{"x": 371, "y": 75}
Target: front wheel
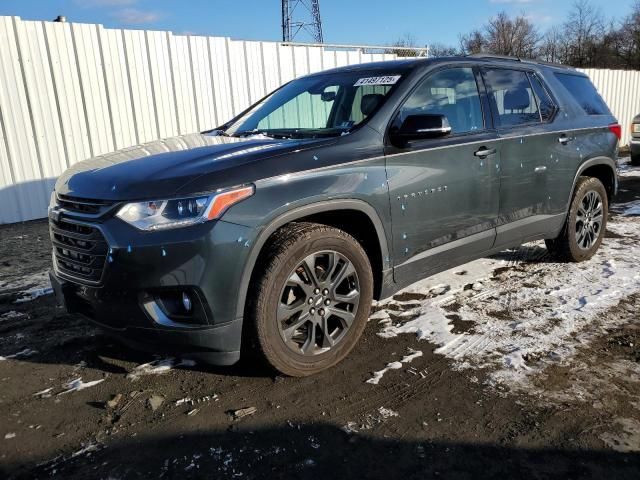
{"x": 311, "y": 299}
{"x": 585, "y": 225}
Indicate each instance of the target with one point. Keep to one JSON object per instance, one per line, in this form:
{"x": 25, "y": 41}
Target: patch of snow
{"x": 26, "y": 352}
{"x": 387, "y": 413}
{"x": 628, "y": 209}
{"x": 515, "y": 360}
{"x": 32, "y": 294}
{"x": 77, "y": 385}
{"x": 526, "y": 316}
{"x": 89, "y": 448}
{"x": 10, "y": 435}
{"x": 629, "y": 171}
{"x": 11, "y": 314}
{"x": 29, "y": 287}
{"x": 377, "y": 376}
{"x": 46, "y": 393}
{"x": 380, "y": 315}
{"x": 158, "y": 367}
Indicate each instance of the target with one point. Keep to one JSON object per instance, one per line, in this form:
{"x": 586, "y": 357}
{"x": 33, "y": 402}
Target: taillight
{"x": 616, "y": 128}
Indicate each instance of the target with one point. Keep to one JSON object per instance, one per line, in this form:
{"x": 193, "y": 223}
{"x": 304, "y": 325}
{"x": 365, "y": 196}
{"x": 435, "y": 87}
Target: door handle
{"x": 484, "y": 152}
{"x": 563, "y": 139}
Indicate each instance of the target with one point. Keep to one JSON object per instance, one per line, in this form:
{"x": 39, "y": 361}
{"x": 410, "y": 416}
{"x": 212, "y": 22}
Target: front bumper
{"x": 216, "y": 344}
{"x": 206, "y": 259}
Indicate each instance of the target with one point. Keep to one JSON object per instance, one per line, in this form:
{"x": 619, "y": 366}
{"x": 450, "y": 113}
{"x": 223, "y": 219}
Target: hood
{"x": 160, "y": 168}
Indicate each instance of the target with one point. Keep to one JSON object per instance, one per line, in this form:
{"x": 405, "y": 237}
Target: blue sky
{"x": 345, "y": 21}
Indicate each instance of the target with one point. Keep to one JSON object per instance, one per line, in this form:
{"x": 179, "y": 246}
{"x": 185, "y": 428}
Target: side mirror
{"x": 328, "y": 96}
{"x": 420, "y": 127}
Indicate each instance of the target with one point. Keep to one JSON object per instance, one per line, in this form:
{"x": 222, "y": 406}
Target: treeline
{"x": 586, "y": 39}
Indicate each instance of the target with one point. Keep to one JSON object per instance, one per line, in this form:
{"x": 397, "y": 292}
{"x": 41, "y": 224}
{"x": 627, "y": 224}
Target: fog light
{"x": 186, "y": 302}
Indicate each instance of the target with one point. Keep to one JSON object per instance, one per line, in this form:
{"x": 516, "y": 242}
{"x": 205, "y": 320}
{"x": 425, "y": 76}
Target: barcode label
{"x": 387, "y": 80}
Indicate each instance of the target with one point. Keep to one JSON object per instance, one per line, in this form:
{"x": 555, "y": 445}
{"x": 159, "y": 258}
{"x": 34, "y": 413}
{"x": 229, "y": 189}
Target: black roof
{"x": 407, "y": 64}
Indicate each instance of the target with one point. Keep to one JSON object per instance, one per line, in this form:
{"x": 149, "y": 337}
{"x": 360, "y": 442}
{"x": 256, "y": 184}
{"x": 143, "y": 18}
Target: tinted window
{"x": 511, "y": 97}
{"x": 583, "y": 91}
{"x": 367, "y": 91}
{"x": 452, "y": 93}
{"x": 545, "y": 104}
{"x": 319, "y": 105}
{"x": 307, "y": 110}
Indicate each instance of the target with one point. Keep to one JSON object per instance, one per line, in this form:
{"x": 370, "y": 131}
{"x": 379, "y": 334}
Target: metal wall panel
{"x": 117, "y": 84}
{"x": 93, "y": 89}
{"x": 621, "y": 90}
{"x": 25, "y": 195}
{"x": 140, "y": 88}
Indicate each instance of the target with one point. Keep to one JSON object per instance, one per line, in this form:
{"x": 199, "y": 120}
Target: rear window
{"x": 583, "y": 91}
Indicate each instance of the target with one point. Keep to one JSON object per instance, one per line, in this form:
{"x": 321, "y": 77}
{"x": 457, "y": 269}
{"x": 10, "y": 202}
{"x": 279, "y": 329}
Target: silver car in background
{"x": 635, "y": 141}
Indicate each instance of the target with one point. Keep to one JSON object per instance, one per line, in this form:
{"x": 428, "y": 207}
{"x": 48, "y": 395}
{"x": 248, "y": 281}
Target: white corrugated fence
{"x": 621, "y": 90}
{"x": 70, "y": 91}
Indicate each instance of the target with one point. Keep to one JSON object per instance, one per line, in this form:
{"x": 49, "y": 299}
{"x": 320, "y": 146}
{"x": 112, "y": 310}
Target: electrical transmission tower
{"x": 301, "y": 15}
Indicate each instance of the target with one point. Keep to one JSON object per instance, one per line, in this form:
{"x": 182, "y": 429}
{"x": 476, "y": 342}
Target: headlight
{"x": 181, "y": 212}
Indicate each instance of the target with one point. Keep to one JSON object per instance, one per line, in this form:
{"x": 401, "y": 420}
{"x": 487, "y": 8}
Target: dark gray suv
{"x": 274, "y": 232}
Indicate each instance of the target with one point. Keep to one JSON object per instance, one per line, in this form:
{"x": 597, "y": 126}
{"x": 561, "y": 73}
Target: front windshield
{"x": 320, "y": 105}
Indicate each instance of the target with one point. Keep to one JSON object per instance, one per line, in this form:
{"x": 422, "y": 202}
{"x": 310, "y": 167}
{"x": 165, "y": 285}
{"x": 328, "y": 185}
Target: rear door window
{"x": 511, "y": 96}
{"x": 583, "y": 91}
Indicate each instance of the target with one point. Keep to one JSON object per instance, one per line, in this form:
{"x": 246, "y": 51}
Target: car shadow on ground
{"x": 59, "y": 338}
{"x": 323, "y": 451}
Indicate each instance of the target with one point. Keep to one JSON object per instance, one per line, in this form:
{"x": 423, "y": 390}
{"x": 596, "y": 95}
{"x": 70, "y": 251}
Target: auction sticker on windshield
{"x": 386, "y": 80}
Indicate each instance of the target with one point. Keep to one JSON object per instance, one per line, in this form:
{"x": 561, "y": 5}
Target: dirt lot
{"x": 513, "y": 366}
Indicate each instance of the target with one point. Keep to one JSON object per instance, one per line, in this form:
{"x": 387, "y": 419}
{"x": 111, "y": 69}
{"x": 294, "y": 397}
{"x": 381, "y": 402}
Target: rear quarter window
{"x": 583, "y": 91}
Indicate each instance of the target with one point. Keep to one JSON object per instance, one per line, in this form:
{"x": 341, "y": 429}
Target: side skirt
{"x": 466, "y": 250}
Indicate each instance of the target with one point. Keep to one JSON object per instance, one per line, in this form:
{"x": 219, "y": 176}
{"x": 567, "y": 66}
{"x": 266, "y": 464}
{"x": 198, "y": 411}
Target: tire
{"x": 635, "y": 159}
{"x": 580, "y": 240}
{"x": 325, "y": 327}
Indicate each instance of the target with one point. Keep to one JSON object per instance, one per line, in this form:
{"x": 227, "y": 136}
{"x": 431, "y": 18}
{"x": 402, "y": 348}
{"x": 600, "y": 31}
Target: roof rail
{"x": 519, "y": 59}
{"x": 494, "y": 56}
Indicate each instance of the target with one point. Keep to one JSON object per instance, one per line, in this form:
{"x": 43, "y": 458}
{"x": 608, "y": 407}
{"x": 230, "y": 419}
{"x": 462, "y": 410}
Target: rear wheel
{"x": 585, "y": 225}
{"x": 635, "y": 159}
{"x": 311, "y": 300}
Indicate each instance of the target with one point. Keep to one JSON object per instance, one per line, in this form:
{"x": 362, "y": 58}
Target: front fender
{"x": 300, "y": 212}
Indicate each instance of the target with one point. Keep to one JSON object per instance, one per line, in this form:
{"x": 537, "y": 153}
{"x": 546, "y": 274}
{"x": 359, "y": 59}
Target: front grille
{"x": 82, "y": 205}
{"x": 80, "y": 251}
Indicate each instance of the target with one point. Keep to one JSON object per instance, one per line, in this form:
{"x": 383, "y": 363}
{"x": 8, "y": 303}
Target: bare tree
{"x": 473, "y": 42}
{"x": 584, "y": 29}
{"x": 506, "y": 36}
{"x": 627, "y": 39}
{"x": 554, "y": 46}
{"x": 442, "y": 50}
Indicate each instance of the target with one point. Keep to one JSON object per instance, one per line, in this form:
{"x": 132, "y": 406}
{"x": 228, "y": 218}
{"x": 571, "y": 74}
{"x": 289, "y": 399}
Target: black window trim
{"x": 481, "y": 93}
{"x": 545, "y": 87}
{"x": 496, "y": 116}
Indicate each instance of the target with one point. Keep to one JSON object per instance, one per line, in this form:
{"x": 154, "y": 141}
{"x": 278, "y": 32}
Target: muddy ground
{"x": 532, "y": 408}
